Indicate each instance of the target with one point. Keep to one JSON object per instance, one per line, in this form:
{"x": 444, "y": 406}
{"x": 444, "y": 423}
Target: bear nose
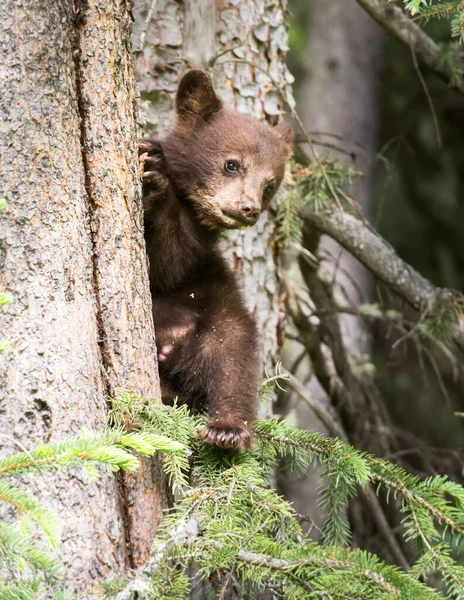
{"x": 250, "y": 208}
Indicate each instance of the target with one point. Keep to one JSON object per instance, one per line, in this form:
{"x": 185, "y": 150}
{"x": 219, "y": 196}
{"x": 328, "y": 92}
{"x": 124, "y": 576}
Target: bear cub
{"x": 217, "y": 170}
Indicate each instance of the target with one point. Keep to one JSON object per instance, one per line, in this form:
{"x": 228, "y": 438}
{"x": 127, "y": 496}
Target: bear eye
{"x": 269, "y": 189}
{"x": 231, "y": 166}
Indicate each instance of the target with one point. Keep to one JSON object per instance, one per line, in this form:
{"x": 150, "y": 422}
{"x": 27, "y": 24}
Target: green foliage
{"x": 288, "y": 226}
{"x": 449, "y": 9}
{"x": 177, "y": 425}
{"x": 234, "y": 530}
{"x": 32, "y": 530}
{"x": 5, "y": 299}
{"x": 228, "y": 524}
{"x": 311, "y": 184}
{"x": 315, "y": 188}
{"x": 113, "y": 587}
{"x": 451, "y": 61}
{"x": 439, "y": 321}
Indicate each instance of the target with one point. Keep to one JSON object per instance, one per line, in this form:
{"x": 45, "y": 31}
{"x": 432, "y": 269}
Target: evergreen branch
{"x": 31, "y": 508}
{"x": 232, "y": 522}
{"x": 407, "y": 485}
{"x": 397, "y": 23}
{"x": 17, "y": 551}
{"x": 23, "y": 590}
{"x": 109, "y": 447}
{"x": 231, "y": 525}
{"x": 450, "y": 573}
{"x": 444, "y": 305}
{"x": 287, "y": 220}
{"x": 285, "y": 565}
{"x": 410, "y": 488}
{"x": 434, "y": 11}
{"x": 409, "y": 495}
{"x": 324, "y": 571}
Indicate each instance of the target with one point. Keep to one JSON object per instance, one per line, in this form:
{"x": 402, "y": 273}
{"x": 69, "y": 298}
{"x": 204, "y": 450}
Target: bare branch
{"x": 321, "y": 413}
{"x": 385, "y": 528}
{"x": 381, "y": 259}
{"x": 398, "y": 24}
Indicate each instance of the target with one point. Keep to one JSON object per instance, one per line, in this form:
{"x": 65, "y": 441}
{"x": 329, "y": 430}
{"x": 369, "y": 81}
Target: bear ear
{"x": 196, "y": 99}
{"x": 284, "y": 130}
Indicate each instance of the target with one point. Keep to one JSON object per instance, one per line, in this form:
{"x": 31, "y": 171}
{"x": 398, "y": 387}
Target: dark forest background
{"x": 416, "y": 202}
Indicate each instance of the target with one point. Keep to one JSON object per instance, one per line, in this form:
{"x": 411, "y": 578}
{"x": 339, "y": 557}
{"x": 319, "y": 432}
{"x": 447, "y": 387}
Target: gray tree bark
{"x": 340, "y": 104}
{"x": 73, "y": 258}
{"x": 245, "y": 55}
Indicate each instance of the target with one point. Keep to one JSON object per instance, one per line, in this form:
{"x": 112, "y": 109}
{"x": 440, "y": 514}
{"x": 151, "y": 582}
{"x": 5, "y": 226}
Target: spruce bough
{"x": 243, "y": 539}
{"x": 228, "y": 524}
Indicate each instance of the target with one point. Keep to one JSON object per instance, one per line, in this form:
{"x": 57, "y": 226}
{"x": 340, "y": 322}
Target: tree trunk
{"x": 73, "y": 258}
{"x": 250, "y": 43}
{"x": 339, "y": 106}
{"x": 71, "y": 238}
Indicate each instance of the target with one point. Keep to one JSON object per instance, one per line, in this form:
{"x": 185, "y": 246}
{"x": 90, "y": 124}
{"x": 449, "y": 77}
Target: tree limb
{"x": 397, "y": 23}
{"x": 321, "y": 413}
{"x": 187, "y": 531}
{"x": 383, "y": 262}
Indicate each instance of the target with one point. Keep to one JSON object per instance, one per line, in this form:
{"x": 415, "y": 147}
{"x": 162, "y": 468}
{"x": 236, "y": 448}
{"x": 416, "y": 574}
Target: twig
{"x": 398, "y": 24}
{"x": 385, "y": 528}
{"x": 143, "y": 35}
{"x": 324, "y": 417}
{"x": 383, "y": 262}
{"x": 427, "y": 95}
{"x": 413, "y": 329}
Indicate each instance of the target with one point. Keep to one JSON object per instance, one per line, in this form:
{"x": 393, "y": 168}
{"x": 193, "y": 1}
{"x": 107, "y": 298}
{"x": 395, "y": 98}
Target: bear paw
{"x": 227, "y": 436}
{"x": 152, "y": 167}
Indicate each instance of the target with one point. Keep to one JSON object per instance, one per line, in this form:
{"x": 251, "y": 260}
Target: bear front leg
{"x": 230, "y": 348}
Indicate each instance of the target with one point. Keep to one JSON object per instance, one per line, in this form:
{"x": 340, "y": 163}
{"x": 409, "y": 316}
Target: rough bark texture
{"x": 71, "y": 254}
{"x": 51, "y": 382}
{"x": 108, "y": 111}
{"x": 127, "y": 343}
{"x": 251, "y": 43}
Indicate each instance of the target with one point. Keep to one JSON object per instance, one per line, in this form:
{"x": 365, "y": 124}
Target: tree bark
{"x": 72, "y": 256}
{"x": 250, "y": 46}
{"x": 108, "y": 110}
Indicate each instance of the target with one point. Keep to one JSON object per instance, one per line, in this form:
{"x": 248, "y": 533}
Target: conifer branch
{"x": 397, "y": 23}
{"x": 230, "y": 523}
{"x": 380, "y": 258}
{"x": 33, "y": 573}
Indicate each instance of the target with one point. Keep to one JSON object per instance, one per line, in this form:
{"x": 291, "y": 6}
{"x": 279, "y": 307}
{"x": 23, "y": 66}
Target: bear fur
{"x": 217, "y": 170}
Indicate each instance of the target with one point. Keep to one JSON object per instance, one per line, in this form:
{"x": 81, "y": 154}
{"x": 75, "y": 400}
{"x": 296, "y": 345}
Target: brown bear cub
{"x": 217, "y": 170}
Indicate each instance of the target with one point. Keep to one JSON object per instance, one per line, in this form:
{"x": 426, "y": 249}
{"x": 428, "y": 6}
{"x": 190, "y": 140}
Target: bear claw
{"x": 223, "y": 436}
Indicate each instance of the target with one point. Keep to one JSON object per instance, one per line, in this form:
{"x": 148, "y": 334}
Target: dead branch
{"x": 383, "y": 262}
{"x": 397, "y": 23}
{"x": 321, "y": 413}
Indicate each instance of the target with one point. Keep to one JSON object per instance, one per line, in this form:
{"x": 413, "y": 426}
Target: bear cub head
{"x": 227, "y": 165}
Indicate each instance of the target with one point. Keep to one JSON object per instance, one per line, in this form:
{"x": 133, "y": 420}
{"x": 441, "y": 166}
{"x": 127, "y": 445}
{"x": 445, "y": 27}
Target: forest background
{"x": 371, "y": 354}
